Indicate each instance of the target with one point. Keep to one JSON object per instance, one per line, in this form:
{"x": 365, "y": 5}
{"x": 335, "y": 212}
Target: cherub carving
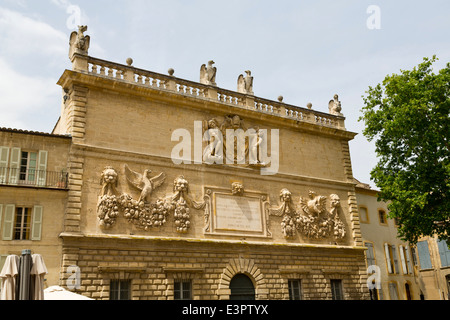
{"x": 287, "y": 210}
{"x": 208, "y": 74}
{"x": 109, "y": 181}
{"x": 237, "y": 189}
{"x": 245, "y": 84}
{"x": 143, "y": 182}
{"x": 79, "y": 43}
{"x": 334, "y": 106}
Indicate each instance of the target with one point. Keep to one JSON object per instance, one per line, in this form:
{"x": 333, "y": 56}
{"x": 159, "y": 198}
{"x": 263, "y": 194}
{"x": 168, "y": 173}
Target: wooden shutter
{"x": 36, "y": 228}
{"x": 4, "y": 157}
{"x": 402, "y": 257}
{"x": 408, "y": 259}
{"x": 444, "y": 253}
{"x": 388, "y": 258}
{"x": 42, "y": 168}
{"x": 8, "y": 224}
{"x": 424, "y": 255}
{"x": 14, "y": 165}
{"x": 1, "y": 212}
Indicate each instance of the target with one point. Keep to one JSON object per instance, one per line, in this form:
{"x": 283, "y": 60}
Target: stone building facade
{"x": 152, "y": 213}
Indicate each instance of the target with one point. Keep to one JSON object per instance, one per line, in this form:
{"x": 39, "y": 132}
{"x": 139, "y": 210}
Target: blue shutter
{"x": 424, "y": 255}
{"x": 444, "y": 253}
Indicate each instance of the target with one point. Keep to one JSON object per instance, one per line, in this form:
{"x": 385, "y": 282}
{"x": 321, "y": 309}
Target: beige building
{"x": 434, "y": 268}
{"x": 33, "y": 194}
{"x": 395, "y": 260}
{"x": 150, "y": 212}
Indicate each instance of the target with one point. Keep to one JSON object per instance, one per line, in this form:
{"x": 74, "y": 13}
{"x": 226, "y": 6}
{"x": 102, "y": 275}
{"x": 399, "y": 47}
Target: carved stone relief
{"x": 245, "y": 84}
{"x": 312, "y": 220}
{"x": 143, "y": 213}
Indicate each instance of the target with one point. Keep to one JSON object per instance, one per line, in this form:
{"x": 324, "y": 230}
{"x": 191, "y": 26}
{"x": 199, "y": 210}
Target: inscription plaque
{"x": 238, "y": 213}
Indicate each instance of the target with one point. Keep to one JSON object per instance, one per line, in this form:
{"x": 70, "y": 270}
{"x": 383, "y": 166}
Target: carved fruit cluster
{"x": 142, "y": 215}
{"x": 181, "y": 216}
{"x": 108, "y": 210}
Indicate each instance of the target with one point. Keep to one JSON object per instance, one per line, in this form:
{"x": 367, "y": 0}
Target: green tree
{"x": 408, "y": 117}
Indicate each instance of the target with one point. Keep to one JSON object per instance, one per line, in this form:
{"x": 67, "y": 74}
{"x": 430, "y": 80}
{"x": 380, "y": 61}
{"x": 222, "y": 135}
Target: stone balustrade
{"x": 159, "y": 81}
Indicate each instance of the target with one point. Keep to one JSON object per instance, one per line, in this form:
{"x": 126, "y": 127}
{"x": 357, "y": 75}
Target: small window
{"x": 363, "y": 215}
{"x": 393, "y": 290}
{"x": 295, "y": 290}
{"x": 120, "y": 290}
{"x": 22, "y": 223}
{"x": 336, "y": 289}
{"x": 382, "y": 217}
{"x": 182, "y": 290}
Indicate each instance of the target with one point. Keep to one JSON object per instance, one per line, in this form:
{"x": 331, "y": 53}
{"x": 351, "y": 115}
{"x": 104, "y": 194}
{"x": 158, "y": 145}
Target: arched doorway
{"x": 242, "y": 288}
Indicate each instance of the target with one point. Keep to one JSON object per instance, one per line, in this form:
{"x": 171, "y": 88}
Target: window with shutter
{"x": 370, "y": 256}
{"x": 408, "y": 254}
{"x": 444, "y": 253}
{"x": 403, "y": 260}
{"x": 394, "y": 258}
{"x": 393, "y": 290}
{"x": 424, "y": 255}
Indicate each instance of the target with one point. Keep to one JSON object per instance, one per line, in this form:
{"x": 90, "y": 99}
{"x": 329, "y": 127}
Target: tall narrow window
{"x": 28, "y": 165}
{"x": 444, "y": 253}
{"x": 120, "y": 290}
{"x": 370, "y": 256}
{"x": 382, "y": 217}
{"x": 336, "y": 289}
{"x": 295, "y": 290}
{"x": 424, "y": 255}
{"x": 22, "y": 223}
{"x": 182, "y": 290}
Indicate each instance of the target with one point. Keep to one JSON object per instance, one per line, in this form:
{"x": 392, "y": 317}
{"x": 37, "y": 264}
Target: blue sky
{"x": 305, "y": 51}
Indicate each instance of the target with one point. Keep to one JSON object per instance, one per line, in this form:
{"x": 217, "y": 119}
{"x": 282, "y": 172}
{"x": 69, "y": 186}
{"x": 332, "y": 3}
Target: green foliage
{"x": 408, "y": 117}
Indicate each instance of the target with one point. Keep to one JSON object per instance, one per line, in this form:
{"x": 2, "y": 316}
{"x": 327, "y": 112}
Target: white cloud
{"x": 22, "y": 35}
{"x": 23, "y": 96}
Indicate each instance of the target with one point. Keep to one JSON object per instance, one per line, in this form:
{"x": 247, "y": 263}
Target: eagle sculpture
{"x": 143, "y": 182}
{"x": 208, "y": 74}
{"x": 245, "y": 84}
{"x": 315, "y": 205}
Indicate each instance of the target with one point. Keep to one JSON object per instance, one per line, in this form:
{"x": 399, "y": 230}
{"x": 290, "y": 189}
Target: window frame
{"x": 367, "y": 219}
{"x": 179, "y": 293}
{"x": 337, "y": 284}
{"x": 24, "y": 226}
{"x": 292, "y": 294}
{"x": 384, "y": 215}
{"x": 117, "y": 292}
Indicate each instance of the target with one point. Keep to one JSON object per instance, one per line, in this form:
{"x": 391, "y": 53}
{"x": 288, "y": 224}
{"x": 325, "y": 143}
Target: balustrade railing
{"x": 33, "y": 178}
{"x": 194, "y": 89}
